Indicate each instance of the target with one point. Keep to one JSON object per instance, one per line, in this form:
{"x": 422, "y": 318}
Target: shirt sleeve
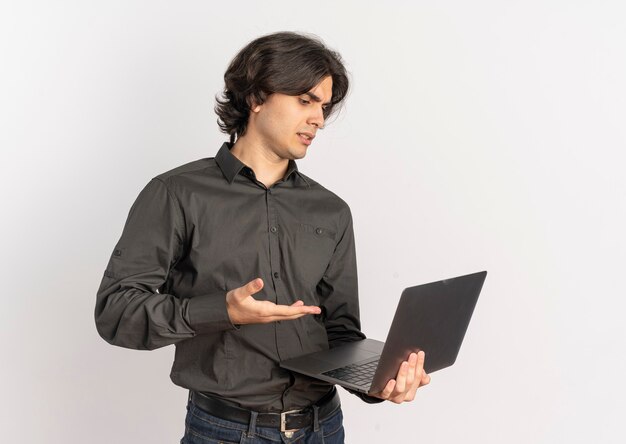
{"x": 338, "y": 290}
{"x": 130, "y": 311}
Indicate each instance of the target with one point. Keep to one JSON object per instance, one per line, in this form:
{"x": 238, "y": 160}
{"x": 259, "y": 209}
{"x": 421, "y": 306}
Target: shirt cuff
{"x": 367, "y": 398}
{"x": 208, "y": 313}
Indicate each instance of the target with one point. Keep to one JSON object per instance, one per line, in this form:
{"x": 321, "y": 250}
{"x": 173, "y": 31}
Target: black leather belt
{"x": 286, "y": 421}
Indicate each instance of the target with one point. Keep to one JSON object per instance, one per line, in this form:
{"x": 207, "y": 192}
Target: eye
{"x": 304, "y": 101}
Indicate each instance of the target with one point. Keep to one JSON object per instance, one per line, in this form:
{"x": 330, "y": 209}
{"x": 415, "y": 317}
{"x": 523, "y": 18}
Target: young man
{"x": 242, "y": 261}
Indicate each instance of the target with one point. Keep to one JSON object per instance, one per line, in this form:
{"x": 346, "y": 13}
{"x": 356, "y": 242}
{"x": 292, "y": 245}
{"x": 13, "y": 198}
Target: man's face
{"x": 280, "y": 122}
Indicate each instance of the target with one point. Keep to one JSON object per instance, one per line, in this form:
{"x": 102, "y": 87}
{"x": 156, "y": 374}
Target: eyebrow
{"x": 314, "y": 97}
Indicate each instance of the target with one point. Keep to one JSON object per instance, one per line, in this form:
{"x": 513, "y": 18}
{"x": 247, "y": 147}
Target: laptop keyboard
{"x": 358, "y": 374}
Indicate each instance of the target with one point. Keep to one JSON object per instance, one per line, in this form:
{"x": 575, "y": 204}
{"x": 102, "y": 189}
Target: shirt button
{"x": 319, "y": 231}
{"x": 276, "y": 274}
{"x": 273, "y": 229}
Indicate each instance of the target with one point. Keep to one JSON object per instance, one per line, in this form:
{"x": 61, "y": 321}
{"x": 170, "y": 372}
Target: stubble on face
{"x": 283, "y": 116}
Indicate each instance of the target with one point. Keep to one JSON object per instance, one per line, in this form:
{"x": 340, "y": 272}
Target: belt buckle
{"x": 283, "y": 423}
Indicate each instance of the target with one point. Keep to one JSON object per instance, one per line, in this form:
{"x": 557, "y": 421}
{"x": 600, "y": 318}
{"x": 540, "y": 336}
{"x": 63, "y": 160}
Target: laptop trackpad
{"x": 343, "y": 355}
{"x": 353, "y": 352}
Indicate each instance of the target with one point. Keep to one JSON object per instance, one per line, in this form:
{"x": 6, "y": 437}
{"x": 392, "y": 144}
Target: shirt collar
{"x": 231, "y": 165}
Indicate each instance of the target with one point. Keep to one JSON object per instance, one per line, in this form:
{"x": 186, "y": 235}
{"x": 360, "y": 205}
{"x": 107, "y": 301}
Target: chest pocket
{"x": 315, "y": 245}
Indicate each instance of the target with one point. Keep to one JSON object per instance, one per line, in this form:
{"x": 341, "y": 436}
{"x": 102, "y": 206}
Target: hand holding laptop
{"x": 430, "y": 318}
{"x": 411, "y": 376}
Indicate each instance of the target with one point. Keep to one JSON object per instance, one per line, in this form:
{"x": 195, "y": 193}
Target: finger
{"x": 421, "y": 355}
{"x": 297, "y": 304}
{"x": 420, "y": 371}
{"x": 401, "y": 380}
{"x": 253, "y": 286}
{"x": 290, "y": 310}
{"x": 241, "y": 293}
{"x": 424, "y": 380}
{"x": 280, "y": 319}
{"x": 270, "y": 312}
{"x": 388, "y": 390}
{"x": 411, "y": 374}
{"x": 419, "y": 368}
{"x": 250, "y": 288}
{"x": 285, "y": 317}
{"x": 410, "y": 395}
{"x": 417, "y": 382}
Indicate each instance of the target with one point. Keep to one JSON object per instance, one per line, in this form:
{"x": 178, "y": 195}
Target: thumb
{"x": 253, "y": 286}
{"x": 250, "y": 288}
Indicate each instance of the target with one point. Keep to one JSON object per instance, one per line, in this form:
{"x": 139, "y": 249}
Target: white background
{"x": 487, "y": 134}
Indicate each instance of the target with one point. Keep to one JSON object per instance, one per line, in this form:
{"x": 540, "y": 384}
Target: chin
{"x": 297, "y": 154}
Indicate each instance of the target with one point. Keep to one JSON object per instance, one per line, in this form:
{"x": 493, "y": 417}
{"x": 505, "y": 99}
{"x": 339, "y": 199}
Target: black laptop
{"x": 432, "y": 317}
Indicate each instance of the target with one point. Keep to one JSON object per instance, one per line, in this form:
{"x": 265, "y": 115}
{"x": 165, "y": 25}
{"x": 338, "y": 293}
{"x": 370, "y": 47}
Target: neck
{"x": 267, "y": 166}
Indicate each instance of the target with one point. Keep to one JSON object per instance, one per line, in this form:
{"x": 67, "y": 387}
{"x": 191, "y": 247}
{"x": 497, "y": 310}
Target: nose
{"x": 317, "y": 117}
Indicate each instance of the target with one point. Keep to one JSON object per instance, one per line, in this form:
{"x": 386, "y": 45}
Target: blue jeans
{"x": 203, "y": 428}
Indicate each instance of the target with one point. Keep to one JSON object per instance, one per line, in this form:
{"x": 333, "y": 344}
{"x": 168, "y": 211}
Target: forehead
{"x": 323, "y": 91}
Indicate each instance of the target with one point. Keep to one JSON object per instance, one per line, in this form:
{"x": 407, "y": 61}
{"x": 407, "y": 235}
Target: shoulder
{"x": 189, "y": 177}
{"x": 184, "y": 181}
{"x": 331, "y": 199}
{"x": 186, "y": 170}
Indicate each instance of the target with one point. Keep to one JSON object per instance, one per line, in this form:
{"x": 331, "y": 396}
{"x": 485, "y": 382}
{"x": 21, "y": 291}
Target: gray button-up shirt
{"x": 201, "y": 229}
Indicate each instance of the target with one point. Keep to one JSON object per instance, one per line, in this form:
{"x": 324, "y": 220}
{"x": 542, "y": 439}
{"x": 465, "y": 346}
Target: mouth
{"x": 306, "y": 138}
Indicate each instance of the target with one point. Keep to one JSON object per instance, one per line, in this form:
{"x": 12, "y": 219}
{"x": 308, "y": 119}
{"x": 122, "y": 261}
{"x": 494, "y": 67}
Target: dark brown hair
{"x": 283, "y": 62}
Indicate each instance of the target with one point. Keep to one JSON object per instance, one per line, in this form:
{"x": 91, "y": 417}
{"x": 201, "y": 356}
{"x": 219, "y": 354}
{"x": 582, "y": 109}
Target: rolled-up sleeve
{"x": 130, "y": 311}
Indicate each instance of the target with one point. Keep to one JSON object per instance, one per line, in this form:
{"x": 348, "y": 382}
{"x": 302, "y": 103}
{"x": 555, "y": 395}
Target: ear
{"x": 253, "y": 105}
